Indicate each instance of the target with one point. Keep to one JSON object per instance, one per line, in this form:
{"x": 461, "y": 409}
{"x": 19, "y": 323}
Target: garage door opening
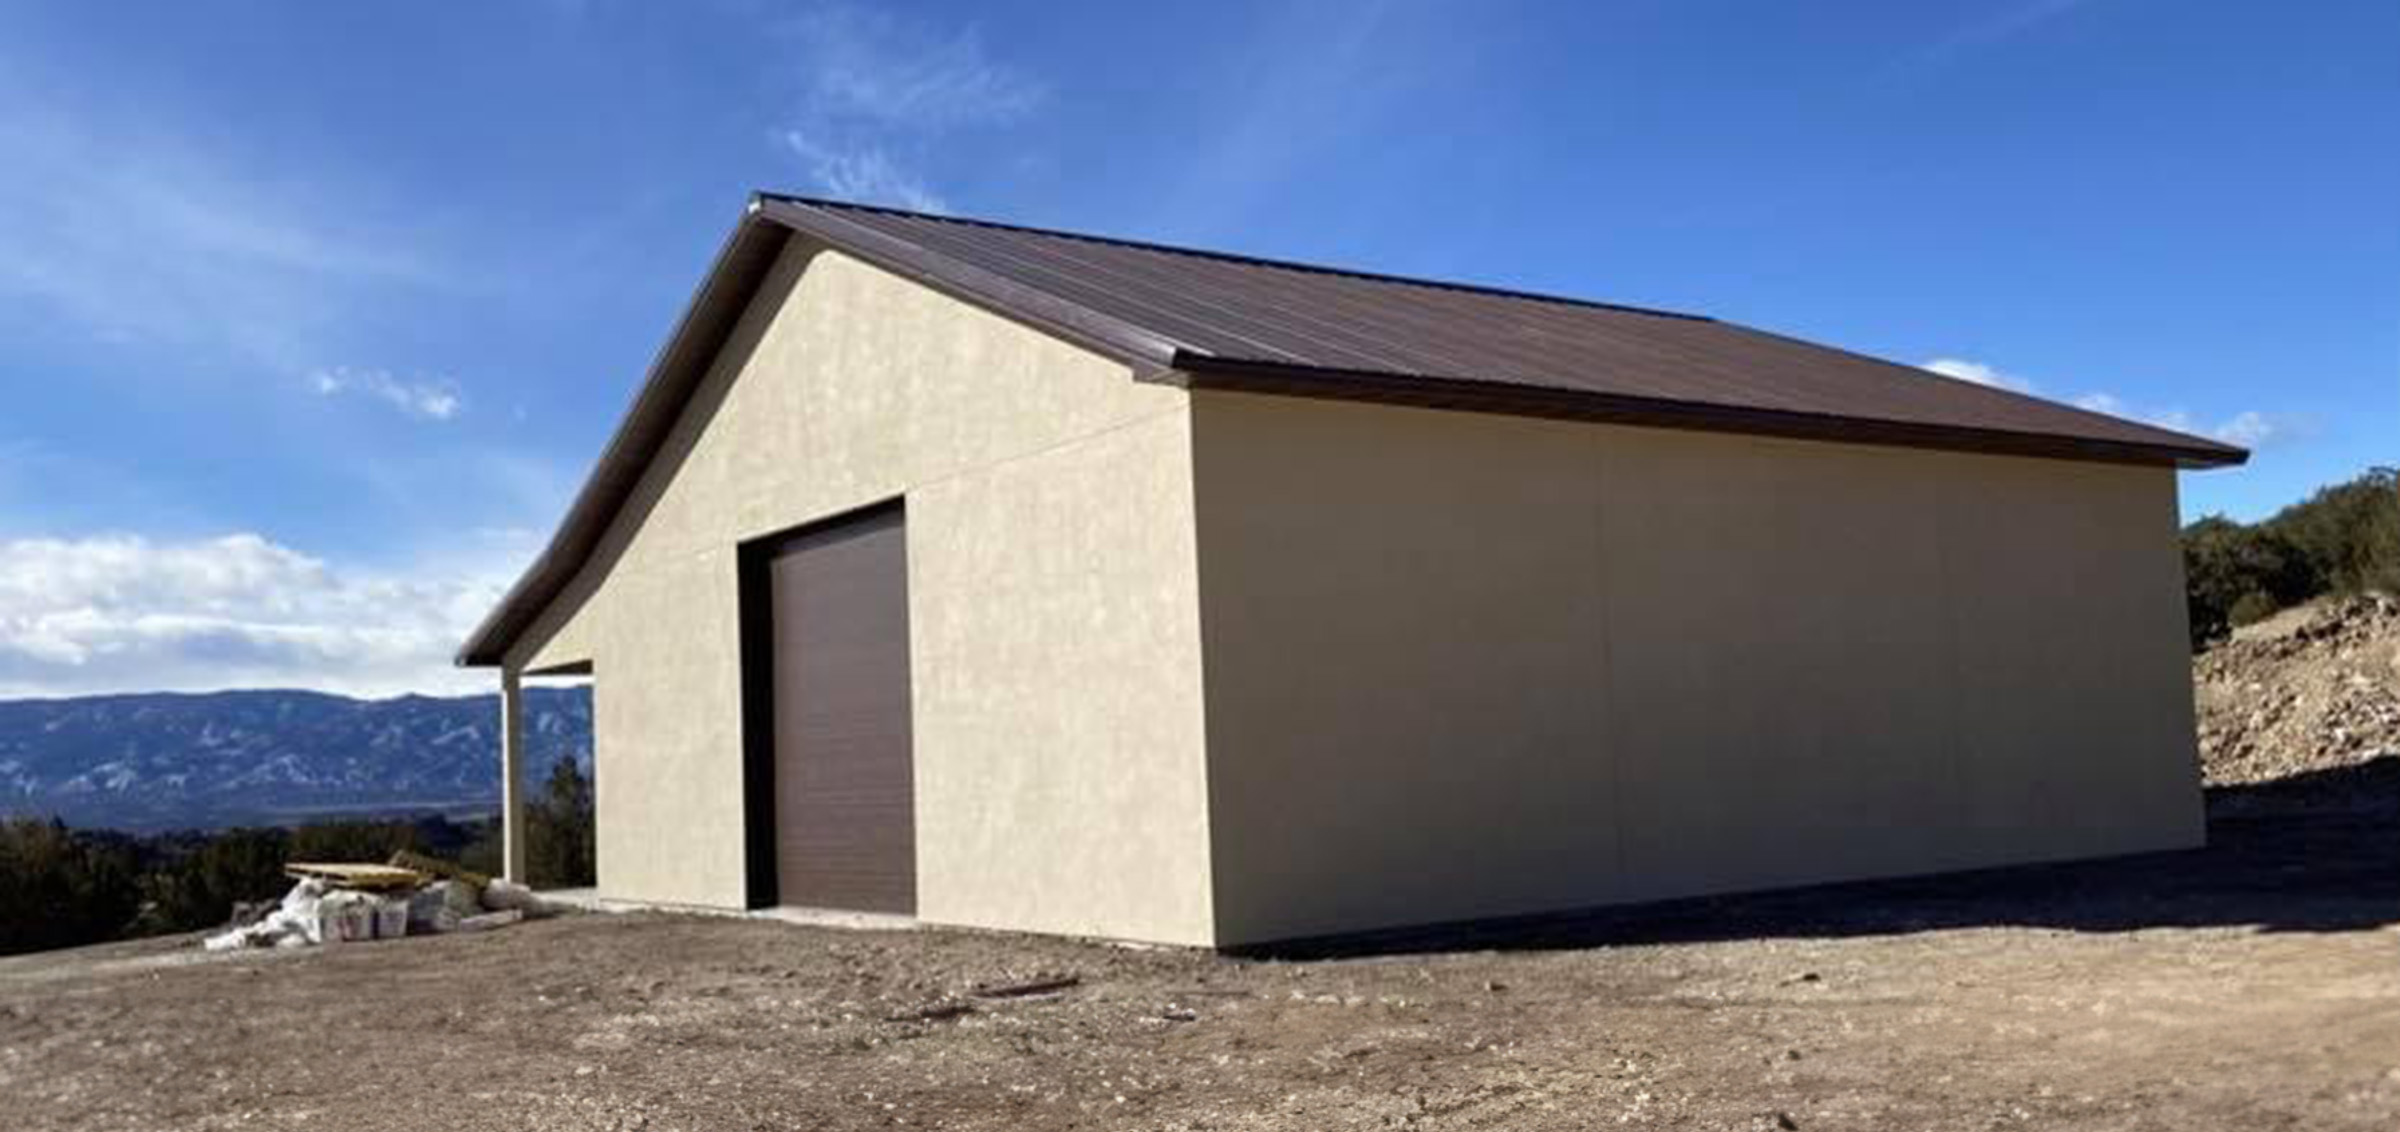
{"x": 828, "y": 762}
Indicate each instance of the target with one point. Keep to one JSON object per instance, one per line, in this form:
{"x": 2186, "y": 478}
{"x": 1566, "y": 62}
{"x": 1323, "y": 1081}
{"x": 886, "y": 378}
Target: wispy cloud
{"x": 2253, "y": 429}
{"x": 124, "y": 613}
{"x": 1980, "y": 374}
{"x": 2249, "y": 428}
{"x": 880, "y": 91}
{"x": 127, "y": 227}
{"x": 1322, "y": 87}
{"x": 2003, "y": 22}
{"x": 2108, "y": 403}
{"x": 121, "y": 228}
{"x": 869, "y": 64}
{"x": 430, "y": 398}
{"x": 868, "y": 174}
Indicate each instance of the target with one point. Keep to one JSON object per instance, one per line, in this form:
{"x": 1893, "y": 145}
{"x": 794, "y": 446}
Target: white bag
{"x": 345, "y": 917}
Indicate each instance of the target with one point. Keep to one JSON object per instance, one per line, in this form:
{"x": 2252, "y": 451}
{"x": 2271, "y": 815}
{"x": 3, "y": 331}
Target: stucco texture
{"x": 1219, "y": 668}
{"x": 1462, "y": 665}
{"x": 1053, "y": 609}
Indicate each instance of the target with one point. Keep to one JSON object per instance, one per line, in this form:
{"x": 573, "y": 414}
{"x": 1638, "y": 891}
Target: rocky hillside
{"x": 159, "y": 761}
{"x": 2311, "y": 689}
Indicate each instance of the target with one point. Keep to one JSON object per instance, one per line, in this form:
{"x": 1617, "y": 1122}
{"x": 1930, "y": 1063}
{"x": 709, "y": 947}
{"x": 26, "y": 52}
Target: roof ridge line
{"x": 1244, "y": 258}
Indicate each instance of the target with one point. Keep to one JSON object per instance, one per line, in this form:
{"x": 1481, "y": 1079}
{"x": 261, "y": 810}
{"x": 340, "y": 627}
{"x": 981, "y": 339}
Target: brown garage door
{"x": 845, "y": 830}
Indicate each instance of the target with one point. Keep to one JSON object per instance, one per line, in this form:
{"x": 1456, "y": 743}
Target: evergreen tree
{"x": 560, "y": 843}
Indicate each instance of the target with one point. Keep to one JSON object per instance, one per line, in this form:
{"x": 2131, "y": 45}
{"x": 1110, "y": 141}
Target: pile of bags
{"x": 318, "y": 911}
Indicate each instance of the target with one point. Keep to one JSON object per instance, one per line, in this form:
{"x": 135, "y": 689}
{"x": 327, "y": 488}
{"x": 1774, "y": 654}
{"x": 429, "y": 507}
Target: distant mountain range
{"x": 171, "y": 761}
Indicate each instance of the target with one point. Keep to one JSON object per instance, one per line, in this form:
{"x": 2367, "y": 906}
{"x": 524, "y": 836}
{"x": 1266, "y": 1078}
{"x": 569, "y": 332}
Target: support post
{"x": 512, "y": 776}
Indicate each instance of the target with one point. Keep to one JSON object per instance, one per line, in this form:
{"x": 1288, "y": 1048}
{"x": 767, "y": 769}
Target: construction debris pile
{"x": 353, "y": 903}
{"x": 2315, "y": 688}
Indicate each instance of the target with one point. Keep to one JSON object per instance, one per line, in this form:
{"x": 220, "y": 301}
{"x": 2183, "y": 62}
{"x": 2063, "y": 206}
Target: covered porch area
{"x": 548, "y": 821}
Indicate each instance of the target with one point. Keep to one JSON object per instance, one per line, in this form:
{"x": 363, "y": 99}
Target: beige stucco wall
{"x": 1054, "y": 625}
{"x": 1462, "y": 665}
{"x": 1223, "y": 668}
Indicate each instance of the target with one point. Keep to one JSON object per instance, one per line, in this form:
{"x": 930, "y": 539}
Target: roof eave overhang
{"x": 1202, "y": 371}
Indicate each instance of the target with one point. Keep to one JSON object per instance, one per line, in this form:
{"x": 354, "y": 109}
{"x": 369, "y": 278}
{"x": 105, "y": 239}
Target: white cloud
{"x": 1980, "y": 374}
{"x": 2248, "y": 429}
{"x": 2116, "y": 406}
{"x": 879, "y": 91}
{"x": 123, "y": 613}
{"x": 431, "y": 398}
{"x": 2252, "y": 429}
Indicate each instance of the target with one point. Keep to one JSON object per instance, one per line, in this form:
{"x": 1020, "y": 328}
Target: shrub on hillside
{"x": 2349, "y": 533}
{"x": 2226, "y": 564}
{"x": 62, "y": 889}
{"x": 354, "y": 840}
{"x": 198, "y": 887}
{"x": 2252, "y": 607}
{"x": 2344, "y": 539}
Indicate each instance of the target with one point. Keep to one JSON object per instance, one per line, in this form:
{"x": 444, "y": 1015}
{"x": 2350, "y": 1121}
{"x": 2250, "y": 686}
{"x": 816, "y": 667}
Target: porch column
{"x": 512, "y": 776}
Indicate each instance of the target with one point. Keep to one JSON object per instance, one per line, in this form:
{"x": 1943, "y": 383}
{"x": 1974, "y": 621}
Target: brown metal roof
{"x": 1217, "y": 321}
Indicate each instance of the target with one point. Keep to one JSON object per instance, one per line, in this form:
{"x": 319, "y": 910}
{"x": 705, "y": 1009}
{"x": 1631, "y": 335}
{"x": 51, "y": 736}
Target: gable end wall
{"x": 1053, "y": 606}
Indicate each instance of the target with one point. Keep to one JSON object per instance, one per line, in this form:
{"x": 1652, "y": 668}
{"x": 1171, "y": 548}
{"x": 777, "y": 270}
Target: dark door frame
{"x": 752, "y": 559}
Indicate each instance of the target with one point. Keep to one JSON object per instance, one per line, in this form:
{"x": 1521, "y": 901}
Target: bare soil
{"x": 2316, "y": 687}
{"x": 2254, "y": 984}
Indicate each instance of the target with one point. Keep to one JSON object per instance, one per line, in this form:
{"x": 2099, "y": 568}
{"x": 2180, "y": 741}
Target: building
{"x": 1027, "y": 580}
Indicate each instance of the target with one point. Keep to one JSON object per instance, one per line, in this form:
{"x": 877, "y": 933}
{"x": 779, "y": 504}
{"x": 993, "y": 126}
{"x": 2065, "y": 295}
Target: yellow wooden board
{"x": 437, "y": 867}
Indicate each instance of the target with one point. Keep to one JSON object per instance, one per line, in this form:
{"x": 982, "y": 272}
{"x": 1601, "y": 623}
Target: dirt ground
{"x": 2252, "y": 985}
{"x": 2315, "y": 687}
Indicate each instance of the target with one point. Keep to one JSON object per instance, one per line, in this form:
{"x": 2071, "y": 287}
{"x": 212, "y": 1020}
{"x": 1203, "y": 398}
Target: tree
{"x": 2349, "y": 532}
{"x": 559, "y": 831}
{"x": 353, "y": 840}
{"x": 60, "y": 889}
{"x": 2227, "y": 564}
{"x": 481, "y": 852}
{"x": 2343, "y": 539}
{"x": 199, "y": 888}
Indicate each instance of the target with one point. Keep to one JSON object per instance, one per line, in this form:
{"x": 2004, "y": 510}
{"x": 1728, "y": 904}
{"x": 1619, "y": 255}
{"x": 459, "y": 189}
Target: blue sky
{"x": 312, "y": 316}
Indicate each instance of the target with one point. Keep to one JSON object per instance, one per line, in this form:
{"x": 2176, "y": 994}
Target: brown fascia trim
{"x": 1208, "y": 372}
{"x": 724, "y": 293}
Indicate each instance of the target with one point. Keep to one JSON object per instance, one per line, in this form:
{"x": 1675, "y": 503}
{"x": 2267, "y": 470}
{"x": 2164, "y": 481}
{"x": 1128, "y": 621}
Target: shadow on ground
{"x": 2318, "y": 852}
